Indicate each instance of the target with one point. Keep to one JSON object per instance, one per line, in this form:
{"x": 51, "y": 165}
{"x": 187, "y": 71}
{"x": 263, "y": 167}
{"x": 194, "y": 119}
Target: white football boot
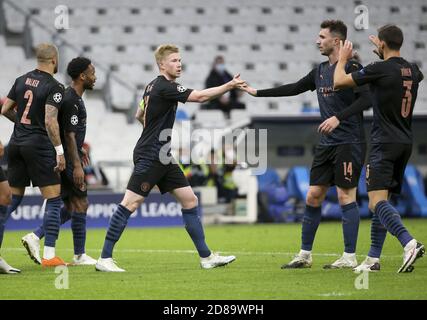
{"x": 302, "y": 260}
{"x": 370, "y": 264}
{"x": 347, "y": 260}
{"x": 107, "y": 265}
{"x": 83, "y": 260}
{"x": 32, "y": 244}
{"x": 215, "y": 260}
{"x": 412, "y": 251}
{"x": 6, "y": 268}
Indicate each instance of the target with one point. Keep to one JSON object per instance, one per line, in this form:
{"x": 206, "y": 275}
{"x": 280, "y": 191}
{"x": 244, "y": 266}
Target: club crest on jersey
{"x": 145, "y": 187}
{"x": 74, "y": 120}
{"x": 57, "y": 97}
{"x": 181, "y": 88}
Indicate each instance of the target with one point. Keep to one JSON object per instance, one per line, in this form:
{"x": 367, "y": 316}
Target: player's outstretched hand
{"x": 376, "y": 42}
{"x": 1, "y": 150}
{"x": 346, "y": 50}
{"x": 60, "y": 163}
{"x": 236, "y": 82}
{"x": 329, "y": 125}
{"x": 247, "y": 88}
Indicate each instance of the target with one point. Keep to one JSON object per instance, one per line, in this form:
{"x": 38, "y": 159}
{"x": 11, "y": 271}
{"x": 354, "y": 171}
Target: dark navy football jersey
{"x": 333, "y": 102}
{"x": 73, "y": 118}
{"x": 32, "y": 92}
{"x": 394, "y": 88}
{"x": 160, "y": 102}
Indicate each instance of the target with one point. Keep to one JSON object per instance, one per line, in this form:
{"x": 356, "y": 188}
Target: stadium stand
{"x": 276, "y": 46}
{"x": 263, "y": 40}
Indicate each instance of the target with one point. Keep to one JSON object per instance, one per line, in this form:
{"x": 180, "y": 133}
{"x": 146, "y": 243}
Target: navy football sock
{"x": 118, "y": 223}
{"x": 65, "y": 216}
{"x": 310, "y": 223}
{"x": 3, "y": 219}
{"x": 350, "y": 226}
{"x": 194, "y": 228}
{"x": 78, "y": 226}
{"x": 390, "y": 219}
{"x": 5, "y": 213}
{"x": 378, "y": 235}
{"x": 52, "y": 221}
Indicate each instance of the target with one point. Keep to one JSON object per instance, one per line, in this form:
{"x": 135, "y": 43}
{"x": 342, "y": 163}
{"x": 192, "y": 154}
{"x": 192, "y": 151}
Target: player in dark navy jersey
{"x": 339, "y": 156}
{"x": 35, "y": 152}
{"x": 5, "y": 200}
{"x": 153, "y": 162}
{"x": 73, "y": 187}
{"x": 394, "y": 86}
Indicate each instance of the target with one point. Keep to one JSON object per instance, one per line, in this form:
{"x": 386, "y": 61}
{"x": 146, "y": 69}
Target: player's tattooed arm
{"x": 52, "y": 128}
{"x": 8, "y": 110}
{"x": 11, "y": 115}
{"x": 72, "y": 151}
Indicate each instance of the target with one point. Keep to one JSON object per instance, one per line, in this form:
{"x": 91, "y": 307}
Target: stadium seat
{"x": 297, "y": 182}
{"x": 210, "y": 118}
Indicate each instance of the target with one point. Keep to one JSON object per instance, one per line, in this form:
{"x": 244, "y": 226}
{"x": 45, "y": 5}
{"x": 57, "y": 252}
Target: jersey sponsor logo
{"x": 57, "y": 97}
{"x": 181, "y": 88}
{"x": 74, "y": 120}
{"x": 326, "y": 91}
{"x": 77, "y": 107}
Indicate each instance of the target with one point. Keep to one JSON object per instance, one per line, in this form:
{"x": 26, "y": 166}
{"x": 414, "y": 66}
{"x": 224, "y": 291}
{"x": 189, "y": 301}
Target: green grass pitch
{"x": 161, "y": 264}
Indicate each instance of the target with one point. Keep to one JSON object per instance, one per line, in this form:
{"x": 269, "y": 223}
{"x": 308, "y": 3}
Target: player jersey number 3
{"x": 407, "y": 98}
{"x": 28, "y": 95}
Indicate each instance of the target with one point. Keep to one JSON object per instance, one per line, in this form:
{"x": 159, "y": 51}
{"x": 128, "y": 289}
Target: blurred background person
{"x": 218, "y": 76}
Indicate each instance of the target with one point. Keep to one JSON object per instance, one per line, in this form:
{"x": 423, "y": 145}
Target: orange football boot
{"x": 54, "y": 262}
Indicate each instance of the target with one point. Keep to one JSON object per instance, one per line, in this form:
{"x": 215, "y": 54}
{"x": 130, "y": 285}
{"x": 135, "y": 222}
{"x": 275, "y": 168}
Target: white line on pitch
{"x": 249, "y": 253}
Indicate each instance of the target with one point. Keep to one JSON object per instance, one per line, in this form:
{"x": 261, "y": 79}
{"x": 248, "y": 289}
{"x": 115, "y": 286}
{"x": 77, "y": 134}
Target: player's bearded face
{"x": 381, "y": 50}
{"x": 89, "y": 78}
{"x": 55, "y": 61}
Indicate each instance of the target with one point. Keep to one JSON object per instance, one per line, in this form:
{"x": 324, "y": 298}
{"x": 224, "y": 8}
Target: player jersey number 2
{"x": 407, "y": 99}
{"x": 28, "y": 95}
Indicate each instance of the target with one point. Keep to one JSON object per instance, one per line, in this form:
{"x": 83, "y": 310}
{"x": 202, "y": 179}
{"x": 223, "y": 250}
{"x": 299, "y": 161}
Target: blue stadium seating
{"x": 279, "y": 206}
{"x": 414, "y": 190}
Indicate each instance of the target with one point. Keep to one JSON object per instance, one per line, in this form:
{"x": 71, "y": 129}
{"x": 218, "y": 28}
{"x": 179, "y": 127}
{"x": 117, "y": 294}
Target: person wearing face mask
{"x": 218, "y": 76}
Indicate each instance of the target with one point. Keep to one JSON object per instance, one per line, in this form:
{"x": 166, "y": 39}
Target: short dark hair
{"x": 335, "y": 26}
{"x": 77, "y": 66}
{"x": 392, "y": 35}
